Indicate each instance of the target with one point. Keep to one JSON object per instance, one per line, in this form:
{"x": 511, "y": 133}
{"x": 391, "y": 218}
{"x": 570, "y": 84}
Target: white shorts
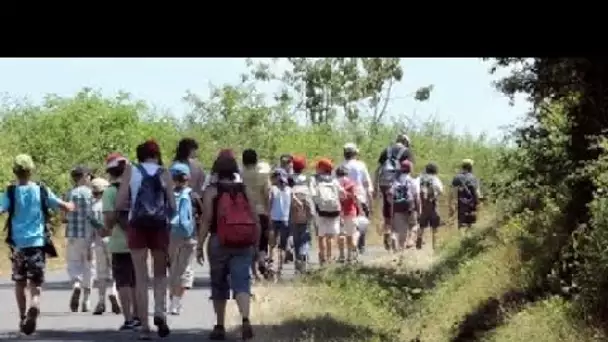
{"x": 349, "y": 228}
{"x": 103, "y": 259}
{"x": 328, "y": 226}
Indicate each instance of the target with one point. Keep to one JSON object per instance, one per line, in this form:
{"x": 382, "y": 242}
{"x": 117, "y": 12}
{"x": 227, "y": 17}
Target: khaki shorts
{"x": 181, "y": 255}
{"x": 404, "y": 224}
{"x": 328, "y": 226}
{"x": 349, "y": 227}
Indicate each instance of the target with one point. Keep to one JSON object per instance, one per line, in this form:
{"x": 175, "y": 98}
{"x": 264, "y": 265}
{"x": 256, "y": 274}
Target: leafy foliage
{"x": 557, "y": 176}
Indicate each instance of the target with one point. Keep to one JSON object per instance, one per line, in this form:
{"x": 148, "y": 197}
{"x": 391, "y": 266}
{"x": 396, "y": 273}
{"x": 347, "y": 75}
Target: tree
{"x": 574, "y": 245}
{"x": 325, "y": 87}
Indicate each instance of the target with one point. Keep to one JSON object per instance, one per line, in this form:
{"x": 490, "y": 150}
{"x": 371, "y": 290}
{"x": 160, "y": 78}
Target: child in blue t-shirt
{"x": 25, "y": 201}
{"x": 183, "y": 236}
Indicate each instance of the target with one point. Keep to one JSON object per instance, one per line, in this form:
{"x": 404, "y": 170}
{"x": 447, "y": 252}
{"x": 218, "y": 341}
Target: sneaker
{"x": 127, "y": 326}
{"x": 161, "y": 325}
{"x": 419, "y": 242}
{"x": 75, "y": 299}
{"x": 136, "y": 322}
{"x": 246, "y": 330}
{"x": 100, "y": 308}
{"x": 175, "y": 307}
{"x": 218, "y": 333}
{"x": 387, "y": 242}
{"x": 114, "y": 306}
{"x": 29, "y": 323}
{"x": 85, "y": 306}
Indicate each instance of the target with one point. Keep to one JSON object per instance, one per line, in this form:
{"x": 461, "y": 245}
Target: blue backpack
{"x": 179, "y": 228}
{"x": 151, "y": 208}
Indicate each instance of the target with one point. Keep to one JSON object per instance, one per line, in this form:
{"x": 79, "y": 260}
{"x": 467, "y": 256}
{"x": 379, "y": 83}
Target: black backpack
{"x": 151, "y": 208}
{"x": 467, "y": 192}
{"x": 49, "y": 247}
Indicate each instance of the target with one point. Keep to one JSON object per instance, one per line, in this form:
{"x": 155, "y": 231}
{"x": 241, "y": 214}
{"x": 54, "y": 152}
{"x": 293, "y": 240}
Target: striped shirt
{"x": 79, "y": 221}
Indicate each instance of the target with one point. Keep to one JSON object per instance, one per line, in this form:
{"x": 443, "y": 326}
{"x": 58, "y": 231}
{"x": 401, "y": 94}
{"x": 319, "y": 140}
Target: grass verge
{"x": 471, "y": 289}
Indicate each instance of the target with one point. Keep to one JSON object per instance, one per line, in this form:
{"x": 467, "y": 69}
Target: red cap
{"x": 325, "y": 164}
{"x": 113, "y": 159}
{"x": 299, "y": 163}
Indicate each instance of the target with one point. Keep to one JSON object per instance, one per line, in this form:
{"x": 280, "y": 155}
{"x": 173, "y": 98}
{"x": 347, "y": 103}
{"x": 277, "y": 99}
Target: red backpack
{"x": 235, "y": 226}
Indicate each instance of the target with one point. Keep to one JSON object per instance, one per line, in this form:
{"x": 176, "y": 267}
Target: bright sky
{"x": 463, "y": 94}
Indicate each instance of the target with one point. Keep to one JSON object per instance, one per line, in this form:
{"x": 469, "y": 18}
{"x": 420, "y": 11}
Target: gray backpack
{"x": 390, "y": 168}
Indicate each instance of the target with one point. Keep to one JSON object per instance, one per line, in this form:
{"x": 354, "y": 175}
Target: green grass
{"x": 472, "y": 289}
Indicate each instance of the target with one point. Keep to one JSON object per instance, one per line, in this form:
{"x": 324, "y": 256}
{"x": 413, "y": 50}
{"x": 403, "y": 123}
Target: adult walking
{"x": 388, "y": 168}
{"x": 364, "y": 190}
{"x": 149, "y": 192}
{"x": 123, "y": 271}
{"x": 234, "y": 228}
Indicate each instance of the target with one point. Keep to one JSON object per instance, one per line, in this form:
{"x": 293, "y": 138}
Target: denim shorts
{"x": 229, "y": 269}
{"x": 281, "y": 232}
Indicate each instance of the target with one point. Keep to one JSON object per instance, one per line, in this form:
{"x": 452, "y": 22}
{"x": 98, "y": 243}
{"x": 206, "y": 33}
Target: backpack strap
{"x": 44, "y": 201}
{"x": 10, "y": 194}
{"x": 400, "y": 153}
{"x": 389, "y": 152}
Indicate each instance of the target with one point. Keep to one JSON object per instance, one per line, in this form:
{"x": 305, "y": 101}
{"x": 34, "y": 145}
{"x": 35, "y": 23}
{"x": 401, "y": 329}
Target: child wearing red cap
{"x": 326, "y": 194}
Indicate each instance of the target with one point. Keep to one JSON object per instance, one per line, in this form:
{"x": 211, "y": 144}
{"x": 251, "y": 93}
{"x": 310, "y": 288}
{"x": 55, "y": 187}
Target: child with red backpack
{"x": 350, "y": 209}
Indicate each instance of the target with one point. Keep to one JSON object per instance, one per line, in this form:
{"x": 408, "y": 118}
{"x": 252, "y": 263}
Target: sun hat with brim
{"x": 351, "y": 147}
{"x": 467, "y": 161}
{"x": 114, "y": 160}
{"x": 24, "y": 162}
{"x": 99, "y": 184}
{"x": 263, "y": 167}
{"x": 179, "y": 169}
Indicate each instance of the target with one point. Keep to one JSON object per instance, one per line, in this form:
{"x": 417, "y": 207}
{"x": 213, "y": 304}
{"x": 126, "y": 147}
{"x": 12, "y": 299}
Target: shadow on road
{"x": 317, "y": 328}
{"x": 320, "y": 328}
{"x": 184, "y": 335}
{"x": 199, "y": 282}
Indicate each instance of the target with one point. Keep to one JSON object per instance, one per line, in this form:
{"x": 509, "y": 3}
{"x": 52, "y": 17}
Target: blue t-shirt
{"x": 28, "y": 220}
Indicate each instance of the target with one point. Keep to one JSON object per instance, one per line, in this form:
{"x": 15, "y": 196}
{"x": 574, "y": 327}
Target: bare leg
{"x": 140, "y": 264}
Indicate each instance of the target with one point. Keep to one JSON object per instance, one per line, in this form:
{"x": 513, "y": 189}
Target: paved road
{"x": 57, "y": 323}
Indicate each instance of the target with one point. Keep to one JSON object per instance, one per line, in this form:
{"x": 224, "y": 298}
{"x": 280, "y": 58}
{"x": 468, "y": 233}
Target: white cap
{"x": 351, "y": 147}
{"x": 99, "y": 184}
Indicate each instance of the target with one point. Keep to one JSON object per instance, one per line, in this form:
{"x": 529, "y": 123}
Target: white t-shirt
{"x": 358, "y": 172}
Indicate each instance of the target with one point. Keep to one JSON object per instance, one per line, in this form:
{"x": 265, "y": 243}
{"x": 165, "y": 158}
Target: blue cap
{"x": 178, "y": 169}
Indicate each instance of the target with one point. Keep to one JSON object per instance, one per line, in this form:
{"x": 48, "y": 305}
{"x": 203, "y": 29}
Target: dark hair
{"x": 21, "y": 173}
{"x": 148, "y": 150}
{"x": 341, "y": 171}
{"x": 179, "y": 178}
{"x": 467, "y": 167}
{"x": 349, "y": 155}
{"x": 118, "y": 170}
{"x": 431, "y": 169}
{"x": 250, "y": 157}
{"x": 184, "y": 148}
{"x": 225, "y": 167}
